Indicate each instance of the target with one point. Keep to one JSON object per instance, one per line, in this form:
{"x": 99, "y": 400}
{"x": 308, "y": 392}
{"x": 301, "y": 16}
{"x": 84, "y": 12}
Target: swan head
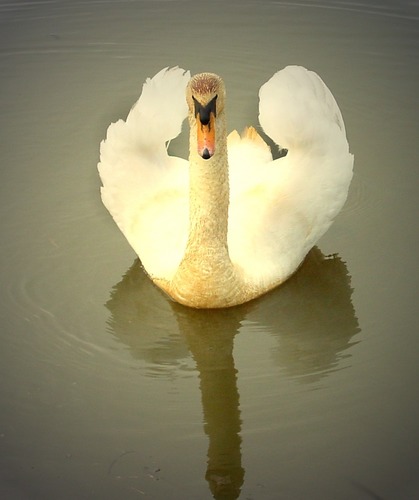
{"x": 205, "y": 95}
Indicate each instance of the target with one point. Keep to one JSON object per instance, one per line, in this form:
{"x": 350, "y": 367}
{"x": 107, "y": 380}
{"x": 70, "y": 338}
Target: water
{"x": 110, "y": 391}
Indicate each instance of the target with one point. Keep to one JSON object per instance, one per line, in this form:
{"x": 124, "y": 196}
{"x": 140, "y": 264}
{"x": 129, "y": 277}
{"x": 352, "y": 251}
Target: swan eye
{"x": 205, "y": 111}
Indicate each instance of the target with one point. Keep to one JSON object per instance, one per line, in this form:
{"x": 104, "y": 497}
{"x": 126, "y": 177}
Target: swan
{"x": 231, "y": 223}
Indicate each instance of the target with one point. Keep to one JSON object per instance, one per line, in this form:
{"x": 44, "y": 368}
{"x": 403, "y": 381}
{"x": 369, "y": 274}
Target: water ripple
{"x": 396, "y": 10}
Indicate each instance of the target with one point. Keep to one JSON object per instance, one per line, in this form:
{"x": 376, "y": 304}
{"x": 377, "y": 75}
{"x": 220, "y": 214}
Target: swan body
{"x": 230, "y": 223}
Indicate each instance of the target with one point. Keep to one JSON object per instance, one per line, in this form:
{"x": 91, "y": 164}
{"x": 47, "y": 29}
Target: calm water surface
{"x": 108, "y": 390}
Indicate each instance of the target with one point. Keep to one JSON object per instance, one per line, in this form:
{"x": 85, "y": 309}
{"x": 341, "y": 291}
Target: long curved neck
{"x": 208, "y": 194}
{"x": 206, "y": 276}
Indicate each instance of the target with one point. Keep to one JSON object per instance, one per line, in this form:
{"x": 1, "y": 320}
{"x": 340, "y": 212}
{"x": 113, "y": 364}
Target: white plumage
{"x": 277, "y": 209}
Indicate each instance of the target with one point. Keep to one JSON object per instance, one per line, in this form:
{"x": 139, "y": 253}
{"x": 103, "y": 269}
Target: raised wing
{"x": 296, "y": 108}
{"x": 135, "y": 168}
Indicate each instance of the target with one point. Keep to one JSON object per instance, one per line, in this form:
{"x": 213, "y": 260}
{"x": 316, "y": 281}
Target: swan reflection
{"x": 311, "y": 317}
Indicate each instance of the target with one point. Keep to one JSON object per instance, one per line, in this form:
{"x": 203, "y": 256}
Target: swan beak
{"x": 206, "y": 137}
{"x": 205, "y": 121}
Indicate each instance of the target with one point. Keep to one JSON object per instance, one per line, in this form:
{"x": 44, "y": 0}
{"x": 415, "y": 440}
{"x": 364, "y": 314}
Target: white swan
{"x": 232, "y": 223}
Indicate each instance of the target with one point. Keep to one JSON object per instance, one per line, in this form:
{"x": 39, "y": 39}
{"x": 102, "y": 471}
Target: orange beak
{"x": 206, "y": 137}
{"x": 205, "y": 126}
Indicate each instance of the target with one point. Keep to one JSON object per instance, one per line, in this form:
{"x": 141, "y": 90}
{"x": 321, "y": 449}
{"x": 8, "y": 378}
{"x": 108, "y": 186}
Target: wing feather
{"x": 135, "y": 167}
{"x": 286, "y": 205}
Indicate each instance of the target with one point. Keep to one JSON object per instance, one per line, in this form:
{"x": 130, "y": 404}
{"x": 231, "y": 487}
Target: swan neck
{"x": 209, "y": 193}
{"x": 206, "y": 277}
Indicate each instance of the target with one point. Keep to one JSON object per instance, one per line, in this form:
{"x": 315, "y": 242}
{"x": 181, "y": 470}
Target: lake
{"x": 108, "y": 389}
